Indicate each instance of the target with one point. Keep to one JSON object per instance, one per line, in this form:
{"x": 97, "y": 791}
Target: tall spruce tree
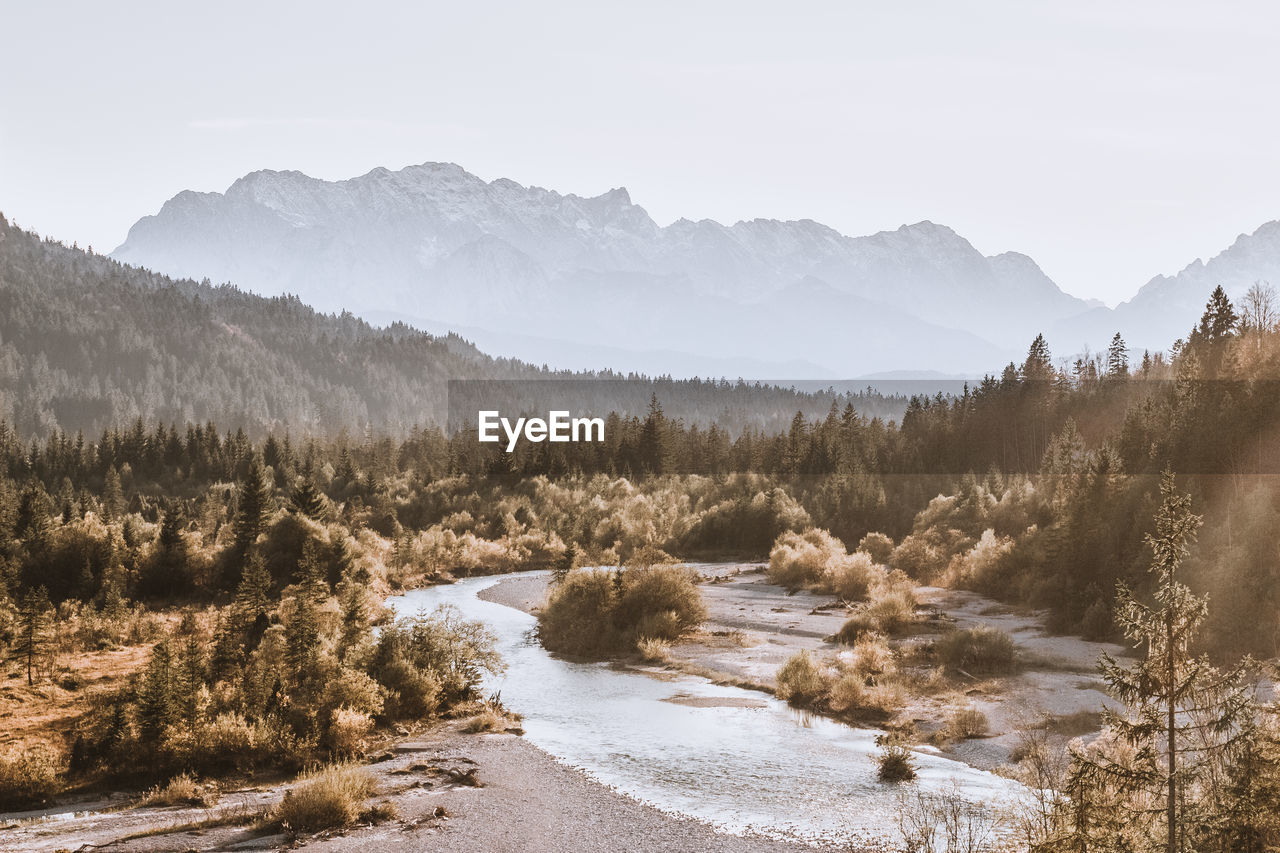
{"x": 32, "y": 640}
{"x": 1182, "y": 714}
{"x": 251, "y": 516}
{"x": 307, "y": 500}
{"x": 157, "y": 706}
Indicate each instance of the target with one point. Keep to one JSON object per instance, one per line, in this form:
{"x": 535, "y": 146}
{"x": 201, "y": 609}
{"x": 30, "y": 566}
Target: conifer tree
{"x": 307, "y": 500}
{"x": 1117, "y": 358}
{"x": 1182, "y": 712}
{"x": 112, "y": 495}
{"x": 252, "y": 603}
{"x": 190, "y": 672}
{"x": 565, "y": 564}
{"x": 157, "y": 706}
{"x": 1038, "y": 366}
{"x": 251, "y": 515}
{"x": 32, "y": 640}
{"x": 302, "y": 638}
{"x": 355, "y": 614}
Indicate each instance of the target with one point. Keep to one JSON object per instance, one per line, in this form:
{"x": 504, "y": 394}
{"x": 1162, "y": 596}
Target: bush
{"x": 595, "y": 613}
{"x": 850, "y": 576}
{"x": 182, "y": 790}
{"x": 578, "y": 616}
{"x": 847, "y": 693}
{"x": 653, "y": 650}
{"x": 892, "y": 608}
{"x": 916, "y": 556}
{"x": 983, "y": 650}
{"x": 968, "y": 722}
{"x": 229, "y": 740}
{"x": 330, "y": 798}
{"x": 878, "y": 546}
{"x": 855, "y": 627}
{"x": 488, "y": 720}
{"x": 801, "y": 682}
{"x": 872, "y": 657}
{"x": 353, "y": 689}
{"x": 660, "y": 602}
{"x": 800, "y": 559}
{"x": 411, "y": 693}
{"x": 894, "y": 761}
{"x": 434, "y": 660}
{"x": 347, "y": 730}
{"x": 30, "y": 778}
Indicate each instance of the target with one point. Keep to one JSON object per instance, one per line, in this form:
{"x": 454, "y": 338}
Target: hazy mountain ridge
{"x": 436, "y": 242}
{"x": 1166, "y": 307}
{"x": 88, "y": 343}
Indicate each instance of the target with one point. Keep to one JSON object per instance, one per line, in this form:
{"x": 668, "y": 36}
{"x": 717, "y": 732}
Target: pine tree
{"x": 566, "y": 564}
{"x": 1117, "y": 358}
{"x": 1038, "y": 366}
{"x": 169, "y": 569}
{"x": 32, "y": 639}
{"x": 1175, "y": 700}
{"x": 251, "y": 516}
{"x": 302, "y": 638}
{"x": 190, "y": 673}
{"x": 355, "y": 614}
{"x": 252, "y": 603}
{"x": 1220, "y": 319}
{"x": 112, "y": 495}
{"x": 157, "y": 707}
{"x": 307, "y": 500}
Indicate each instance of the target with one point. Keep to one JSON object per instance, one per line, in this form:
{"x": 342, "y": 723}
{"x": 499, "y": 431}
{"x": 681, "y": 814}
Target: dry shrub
{"x": 182, "y": 790}
{"x": 917, "y": 556}
{"x": 857, "y": 626}
{"x": 878, "y": 546}
{"x": 348, "y": 729}
{"x": 595, "y": 613}
{"x": 660, "y": 601}
{"x": 578, "y": 616}
{"x": 653, "y": 650}
{"x": 872, "y": 657}
{"x": 850, "y": 576}
{"x": 231, "y": 734}
{"x": 330, "y": 798}
{"x": 488, "y": 720}
{"x": 29, "y": 778}
{"x": 885, "y": 698}
{"x": 966, "y": 722}
{"x": 411, "y": 693}
{"x": 800, "y": 559}
{"x": 984, "y": 650}
{"x": 969, "y": 569}
{"x": 891, "y": 609}
{"x": 801, "y": 682}
{"x": 353, "y": 689}
{"x": 894, "y": 761}
{"x": 847, "y": 693}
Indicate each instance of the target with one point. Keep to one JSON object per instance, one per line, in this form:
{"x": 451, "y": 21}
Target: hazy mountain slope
{"x": 435, "y": 241}
{"x": 1167, "y": 307}
{"x": 88, "y": 343}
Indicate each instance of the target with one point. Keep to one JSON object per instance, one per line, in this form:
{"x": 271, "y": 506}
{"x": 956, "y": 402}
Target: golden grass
{"x": 329, "y": 798}
{"x": 181, "y": 790}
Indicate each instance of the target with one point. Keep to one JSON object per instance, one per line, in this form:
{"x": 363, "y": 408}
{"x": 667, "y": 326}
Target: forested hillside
{"x": 88, "y": 343}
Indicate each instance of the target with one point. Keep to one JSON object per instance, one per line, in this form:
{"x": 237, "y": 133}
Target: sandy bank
{"x": 526, "y": 801}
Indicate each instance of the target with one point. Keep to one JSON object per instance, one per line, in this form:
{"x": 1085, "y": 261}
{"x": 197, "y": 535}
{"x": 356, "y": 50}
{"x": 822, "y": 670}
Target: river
{"x": 765, "y": 769}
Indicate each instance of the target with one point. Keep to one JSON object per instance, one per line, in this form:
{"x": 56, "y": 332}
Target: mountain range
{"x": 583, "y": 282}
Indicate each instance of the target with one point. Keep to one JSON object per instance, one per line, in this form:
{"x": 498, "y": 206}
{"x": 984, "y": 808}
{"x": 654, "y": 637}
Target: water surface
{"x": 764, "y": 769}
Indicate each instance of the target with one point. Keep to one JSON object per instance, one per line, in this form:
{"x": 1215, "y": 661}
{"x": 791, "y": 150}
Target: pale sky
{"x": 1109, "y": 141}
